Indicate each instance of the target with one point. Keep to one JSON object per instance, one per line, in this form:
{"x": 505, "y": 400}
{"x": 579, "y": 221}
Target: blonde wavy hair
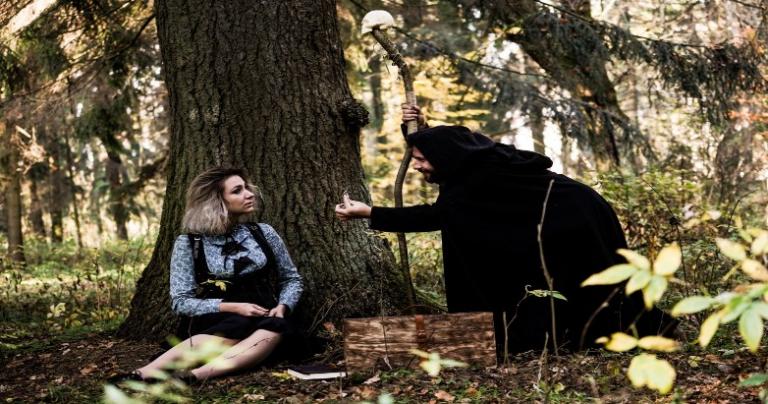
{"x": 206, "y": 211}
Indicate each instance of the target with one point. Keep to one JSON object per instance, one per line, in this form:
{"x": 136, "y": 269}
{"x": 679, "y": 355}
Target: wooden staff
{"x": 375, "y": 22}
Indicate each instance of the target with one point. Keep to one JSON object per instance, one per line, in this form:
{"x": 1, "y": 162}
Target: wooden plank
{"x": 372, "y": 342}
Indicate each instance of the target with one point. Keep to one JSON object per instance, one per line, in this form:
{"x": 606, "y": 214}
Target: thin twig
{"x": 507, "y": 324}
{"x": 543, "y": 368}
{"x": 547, "y": 276}
{"x": 597, "y": 311}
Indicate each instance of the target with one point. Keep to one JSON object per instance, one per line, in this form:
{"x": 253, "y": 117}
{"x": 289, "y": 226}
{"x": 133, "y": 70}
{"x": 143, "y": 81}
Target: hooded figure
{"x": 488, "y": 210}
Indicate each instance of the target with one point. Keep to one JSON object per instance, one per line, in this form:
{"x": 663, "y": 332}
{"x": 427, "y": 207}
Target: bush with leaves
{"x": 746, "y": 301}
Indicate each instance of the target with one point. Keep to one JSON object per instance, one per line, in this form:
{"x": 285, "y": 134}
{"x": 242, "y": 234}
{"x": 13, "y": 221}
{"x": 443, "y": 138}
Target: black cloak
{"x": 488, "y": 209}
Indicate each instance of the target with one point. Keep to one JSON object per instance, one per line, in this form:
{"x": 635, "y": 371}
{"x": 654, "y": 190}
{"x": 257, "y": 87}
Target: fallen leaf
{"x": 444, "y": 395}
{"x": 329, "y": 327}
{"x": 372, "y": 380}
{"x": 368, "y": 393}
{"x": 88, "y": 369}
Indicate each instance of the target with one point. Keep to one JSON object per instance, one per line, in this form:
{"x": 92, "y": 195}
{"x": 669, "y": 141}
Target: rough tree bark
{"x": 261, "y": 84}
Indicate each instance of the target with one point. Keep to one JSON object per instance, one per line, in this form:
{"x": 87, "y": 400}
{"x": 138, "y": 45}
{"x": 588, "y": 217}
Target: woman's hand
{"x": 243, "y": 309}
{"x": 350, "y": 209}
{"x": 278, "y": 311}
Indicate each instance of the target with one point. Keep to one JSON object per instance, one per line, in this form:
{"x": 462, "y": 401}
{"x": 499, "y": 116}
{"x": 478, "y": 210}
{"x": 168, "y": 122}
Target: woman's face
{"x": 238, "y": 199}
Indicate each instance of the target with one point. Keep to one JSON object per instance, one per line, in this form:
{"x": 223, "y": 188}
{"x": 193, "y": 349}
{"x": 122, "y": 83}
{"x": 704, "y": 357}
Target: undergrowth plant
{"x": 64, "y": 290}
{"x": 746, "y": 301}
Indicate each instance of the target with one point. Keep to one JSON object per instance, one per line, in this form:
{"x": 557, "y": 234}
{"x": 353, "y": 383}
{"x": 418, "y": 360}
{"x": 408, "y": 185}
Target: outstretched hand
{"x": 351, "y": 209}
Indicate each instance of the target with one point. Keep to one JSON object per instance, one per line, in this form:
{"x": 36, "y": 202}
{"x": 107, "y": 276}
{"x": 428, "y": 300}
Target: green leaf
{"x": 620, "y": 342}
{"x": 658, "y": 343}
{"x": 755, "y": 270}
{"x": 386, "y": 398}
{"x": 668, "y": 260}
{"x": 692, "y": 304}
{"x": 431, "y": 367}
{"x": 761, "y": 308}
{"x": 655, "y": 289}
{"x": 733, "y": 310}
{"x": 647, "y": 370}
{"x": 546, "y": 293}
{"x": 760, "y": 244}
{"x": 558, "y": 295}
{"x": 755, "y": 379}
{"x": 637, "y": 370}
{"x": 712, "y": 214}
{"x": 661, "y": 376}
{"x": 638, "y": 281}
{"x": 751, "y": 328}
{"x": 639, "y": 261}
{"x": 114, "y": 395}
{"x": 420, "y": 353}
{"x": 745, "y": 235}
{"x": 731, "y": 249}
{"x": 709, "y": 327}
{"x": 610, "y": 276}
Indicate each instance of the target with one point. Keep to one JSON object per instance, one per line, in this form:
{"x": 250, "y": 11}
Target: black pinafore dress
{"x": 259, "y": 287}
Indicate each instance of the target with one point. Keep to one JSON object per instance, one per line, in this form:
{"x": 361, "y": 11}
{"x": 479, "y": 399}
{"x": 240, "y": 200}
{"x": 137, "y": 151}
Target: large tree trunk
{"x": 261, "y": 84}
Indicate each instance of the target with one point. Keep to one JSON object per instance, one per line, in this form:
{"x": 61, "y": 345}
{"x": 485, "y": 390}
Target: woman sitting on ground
{"x": 247, "y": 311}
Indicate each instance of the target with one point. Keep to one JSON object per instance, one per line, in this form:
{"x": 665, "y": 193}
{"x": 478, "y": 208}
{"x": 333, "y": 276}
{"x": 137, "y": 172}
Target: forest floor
{"x": 74, "y": 370}
{"x": 58, "y": 316}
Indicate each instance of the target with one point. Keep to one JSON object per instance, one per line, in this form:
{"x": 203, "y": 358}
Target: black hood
{"x": 453, "y": 149}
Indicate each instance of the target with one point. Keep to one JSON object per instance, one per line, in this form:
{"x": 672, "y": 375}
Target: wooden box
{"x": 380, "y": 342}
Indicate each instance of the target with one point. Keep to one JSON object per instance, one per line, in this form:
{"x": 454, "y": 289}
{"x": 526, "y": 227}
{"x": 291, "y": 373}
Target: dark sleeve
{"x": 404, "y": 220}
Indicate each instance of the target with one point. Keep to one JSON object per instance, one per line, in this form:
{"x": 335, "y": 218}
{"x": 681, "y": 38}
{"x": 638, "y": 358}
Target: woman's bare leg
{"x": 245, "y": 353}
{"x": 177, "y": 351}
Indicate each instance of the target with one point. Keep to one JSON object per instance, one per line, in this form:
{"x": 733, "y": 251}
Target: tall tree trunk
{"x": 71, "y": 175}
{"x": 261, "y": 84}
{"x": 56, "y": 178}
{"x": 116, "y": 197}
{"x": 36, "y": 209}
{"x": 13, "y": 194}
